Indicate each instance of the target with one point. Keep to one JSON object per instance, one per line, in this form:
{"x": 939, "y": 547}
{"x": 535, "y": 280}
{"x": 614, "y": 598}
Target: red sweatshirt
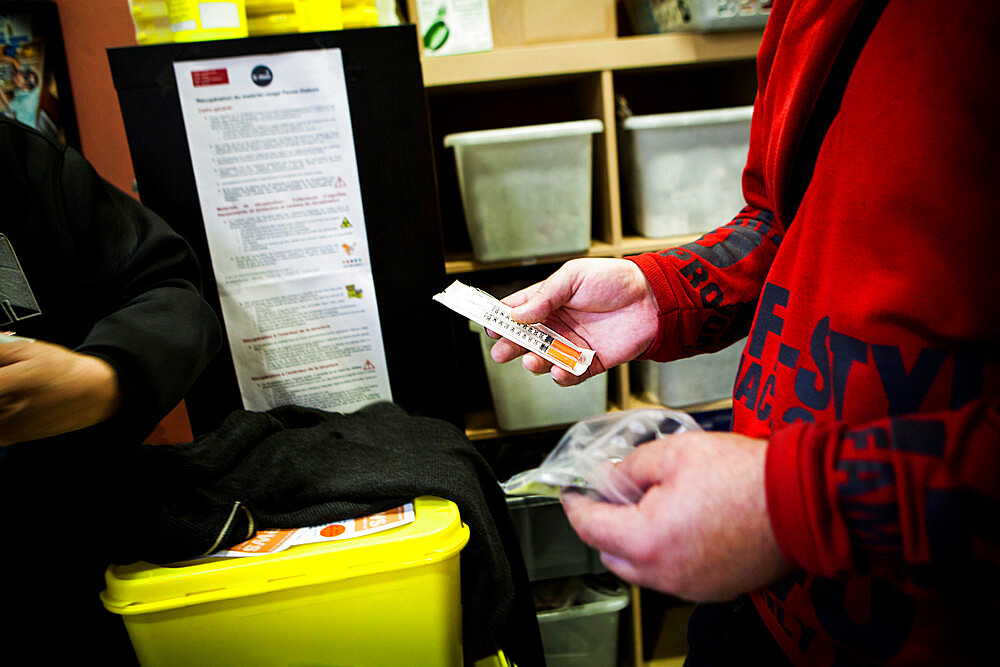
{"x": 873, "y": 314}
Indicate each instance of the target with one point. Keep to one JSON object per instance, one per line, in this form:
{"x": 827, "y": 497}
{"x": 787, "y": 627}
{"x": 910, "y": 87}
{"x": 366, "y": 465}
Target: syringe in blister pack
{"x": 483, "y": 309}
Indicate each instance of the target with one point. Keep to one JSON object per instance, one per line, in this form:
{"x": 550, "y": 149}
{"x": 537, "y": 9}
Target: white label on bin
{"x": 484, "y": 309}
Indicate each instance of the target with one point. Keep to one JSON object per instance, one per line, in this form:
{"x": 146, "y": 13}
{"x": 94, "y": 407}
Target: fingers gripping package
{"x": 586, "y": 455}
{"x": 484, "y": 309}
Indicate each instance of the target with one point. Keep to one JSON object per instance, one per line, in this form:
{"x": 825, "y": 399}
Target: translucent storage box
{"x": 685, "y": 382}
{"x": 582, "y": 627}
{"x": 654, "y": 16}
{"x": 522, "y": 400}
{"x": 526, "y": 191}
{"x": 551, "y": 547}
{"x": 380, "y": 599}
{"x": 683, "y": 171}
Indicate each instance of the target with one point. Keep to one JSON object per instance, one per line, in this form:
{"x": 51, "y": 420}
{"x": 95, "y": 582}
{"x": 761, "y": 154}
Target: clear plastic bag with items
{"x": 585, "y": 457}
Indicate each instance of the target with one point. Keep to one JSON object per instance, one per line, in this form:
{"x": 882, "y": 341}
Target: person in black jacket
{"x": 109, "y": 333}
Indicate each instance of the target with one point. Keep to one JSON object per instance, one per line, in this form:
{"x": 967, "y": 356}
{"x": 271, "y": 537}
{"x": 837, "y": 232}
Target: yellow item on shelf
{"x": 318, "y": 15}
{"x": 152, "y": 24}
{"x": 271, "y": 17}
{"x": 383, "y": 598}
{"x": 200, "y": 20}
{"x": 258, "y": 7}
{"x": 278, "y": 23}
{"x": 359, "y": 13}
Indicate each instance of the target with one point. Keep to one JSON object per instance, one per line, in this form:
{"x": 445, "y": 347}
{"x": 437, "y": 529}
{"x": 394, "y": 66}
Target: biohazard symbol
{"x": 345, "y": 224}
{"x": 369, "y": 366}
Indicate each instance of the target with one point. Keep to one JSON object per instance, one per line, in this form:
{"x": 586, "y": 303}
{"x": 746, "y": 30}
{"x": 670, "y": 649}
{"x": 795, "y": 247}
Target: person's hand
{"x": 602, "y": 304}
{"x": 47, "y": 389}
{"x": 700, "y": 531}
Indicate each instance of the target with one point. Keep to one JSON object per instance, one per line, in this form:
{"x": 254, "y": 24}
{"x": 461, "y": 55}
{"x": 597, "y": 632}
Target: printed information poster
{"x": 274, "y": 161}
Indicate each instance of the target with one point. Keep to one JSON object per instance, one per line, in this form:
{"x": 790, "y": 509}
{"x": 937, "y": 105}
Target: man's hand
{"x": 603, "y": 304}
{"x": 700, "y": 531}
{"x": 47, "y": 390}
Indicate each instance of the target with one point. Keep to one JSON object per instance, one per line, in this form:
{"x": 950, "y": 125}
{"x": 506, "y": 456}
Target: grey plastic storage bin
{"x": 583, "y": 631}
{"x": 683, "y": 171}
{"x": 655, "y": 16}
{"x": 522, "y": 400}
{"x": 526, "y": 191}
{"x": 551, "y": 547}
{"x": 685, "y": 382}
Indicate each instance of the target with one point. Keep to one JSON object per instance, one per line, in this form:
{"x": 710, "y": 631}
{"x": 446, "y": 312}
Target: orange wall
{"x": 90, "y": 26}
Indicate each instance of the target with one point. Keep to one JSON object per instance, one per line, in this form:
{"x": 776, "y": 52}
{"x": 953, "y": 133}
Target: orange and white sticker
{"x": 273, "y": 541}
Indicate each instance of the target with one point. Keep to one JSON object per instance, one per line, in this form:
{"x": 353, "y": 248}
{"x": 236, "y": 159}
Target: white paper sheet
{"x": 274, "y": 161}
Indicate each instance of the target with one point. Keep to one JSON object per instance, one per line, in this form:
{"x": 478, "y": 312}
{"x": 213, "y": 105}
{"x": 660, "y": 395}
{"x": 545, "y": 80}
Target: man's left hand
{"x": 701, "y": 529}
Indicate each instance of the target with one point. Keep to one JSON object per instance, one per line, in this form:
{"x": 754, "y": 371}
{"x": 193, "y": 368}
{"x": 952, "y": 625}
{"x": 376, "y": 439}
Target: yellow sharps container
{"x": 390, "y": 598}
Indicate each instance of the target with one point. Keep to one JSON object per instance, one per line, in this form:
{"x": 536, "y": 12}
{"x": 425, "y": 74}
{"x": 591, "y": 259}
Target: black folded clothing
{"x": 291, "y": 467}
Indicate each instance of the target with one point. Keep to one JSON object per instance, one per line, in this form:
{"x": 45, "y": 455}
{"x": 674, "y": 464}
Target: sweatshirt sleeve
{"x": 914, "y": 497}
{"x": 151, "y": 323}
{"x": 707, "y": 291}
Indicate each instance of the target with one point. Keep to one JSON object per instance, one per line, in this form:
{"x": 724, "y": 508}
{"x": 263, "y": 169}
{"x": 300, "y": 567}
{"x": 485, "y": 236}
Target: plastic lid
{"x": 436, "y": 535}
{"x": 689, "y": 118}
{"x": 525, "y": 133}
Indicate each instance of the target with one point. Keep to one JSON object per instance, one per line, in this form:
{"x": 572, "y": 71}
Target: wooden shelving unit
{"x": 571, "y": 81}
{"x": 623, "y": 53}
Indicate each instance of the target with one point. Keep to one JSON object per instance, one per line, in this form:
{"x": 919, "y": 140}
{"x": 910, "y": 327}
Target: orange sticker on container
{"x": 380, "y": 520}
{"x": 264, "y": 541}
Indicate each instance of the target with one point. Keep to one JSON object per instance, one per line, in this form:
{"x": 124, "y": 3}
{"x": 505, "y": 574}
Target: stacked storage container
{"x": 683, "y": 170}
{"x": 579, "y": 618}
{"x": 688, "y": 382}
{"x": 526, "y": 191}
{"x": 522, "y": 400}
{"x": 655, "y": 16}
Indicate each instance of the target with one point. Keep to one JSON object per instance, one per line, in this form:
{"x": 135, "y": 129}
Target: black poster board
{"x": 396, "y": 171}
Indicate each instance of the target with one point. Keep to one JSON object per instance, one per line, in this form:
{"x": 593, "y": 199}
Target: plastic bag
{"x": 585, "y": 456}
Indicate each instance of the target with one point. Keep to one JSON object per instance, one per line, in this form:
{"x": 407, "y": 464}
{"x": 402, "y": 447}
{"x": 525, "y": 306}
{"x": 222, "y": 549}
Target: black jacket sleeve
{"x": 111, "y": 278}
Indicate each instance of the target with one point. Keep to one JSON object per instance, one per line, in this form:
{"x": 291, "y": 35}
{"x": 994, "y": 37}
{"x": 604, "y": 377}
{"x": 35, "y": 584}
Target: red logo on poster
{"x": 210, "y": 77}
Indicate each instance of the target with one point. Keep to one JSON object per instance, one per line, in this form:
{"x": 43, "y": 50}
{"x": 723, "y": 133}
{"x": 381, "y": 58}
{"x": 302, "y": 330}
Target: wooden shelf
{"x": 630, "y": 245}
{"x": 483, "y": 425}
{"x": 646, "y": 402}
{"x": 638, "y": 52}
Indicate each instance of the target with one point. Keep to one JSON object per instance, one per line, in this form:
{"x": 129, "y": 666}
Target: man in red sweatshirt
{"x": 855, "y": 508}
